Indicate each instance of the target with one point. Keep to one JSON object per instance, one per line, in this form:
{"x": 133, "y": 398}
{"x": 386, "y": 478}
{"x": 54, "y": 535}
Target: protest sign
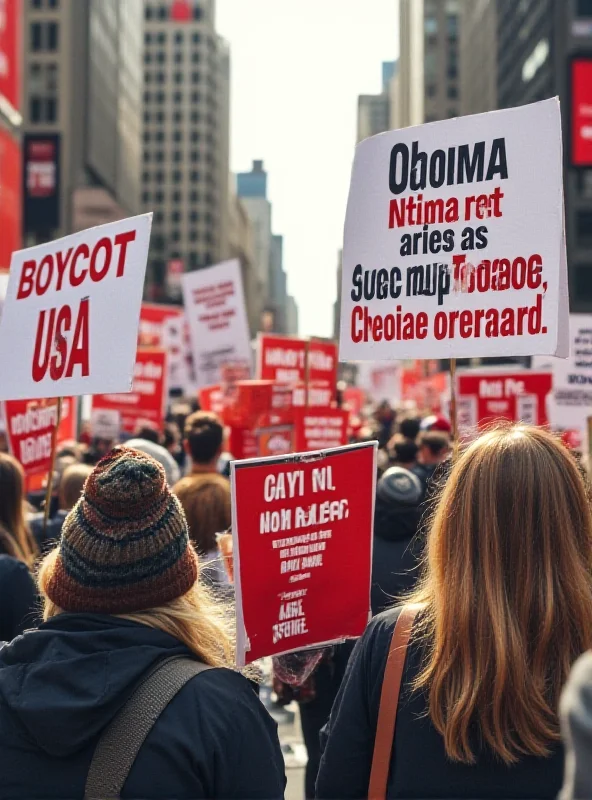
{"x": 281, "y": 358}
{"x": 275, "y": 440}
{"x": 318, "y": 429}
{"x": 29, "y": 427}
{"x": 484, "y": 397}
{"x": 571, "y": 400}
{"x": 296, "y": 520}
{"x": 425, "y": 392}
{"x": 146, "y": 403}
{"x": 3, "y": 288}
{"x": 105, "y": 423}
{"x": 164, "y": 326}
{"x": 70, "y": 319}
{"x": 217, "y": 317}
{"x": 380, "y": 380}
{"x": 153, "y": 321}
{"x": 454, "y": 241}
{"x": 321, "y": 372}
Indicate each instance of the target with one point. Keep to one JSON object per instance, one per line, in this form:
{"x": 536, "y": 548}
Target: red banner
{"x": 484, "y": 397}
{"x": 320, "y": 428}
{"x": 153, "y": 318}
{"x": 322, "y": 373}
{"x": 146, "y": 403}
{"x": 581, "y": 112}
{"x": 11, "y": 196}
{"x": 29, "y": 426}
{"x": 10, "y": 16}
{"x": 281, "y": 358}
{"x": 295, "y": 526}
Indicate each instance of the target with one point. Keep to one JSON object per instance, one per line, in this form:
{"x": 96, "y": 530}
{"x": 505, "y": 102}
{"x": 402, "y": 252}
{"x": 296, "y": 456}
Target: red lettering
{"x": 81, "y": 250}
{"x": 79, "y": 355}
{"x": 57, "y": 363}
{"x": 46, "y": 262}
{"x": 123, "y": 239}
{"x": 422, "y": 325}
{"x": 535, "y": 269}
{"x": 440, "y": 325}
{"x": 466, "y": 324}
{"x": 357, "y": 316}
{"x": 26, "y": 281}
{"x": 40, "y": 363}
{"x": 102, "y": 244}
{"x": 518, "y": 273}
{"x": 61, "y": 265}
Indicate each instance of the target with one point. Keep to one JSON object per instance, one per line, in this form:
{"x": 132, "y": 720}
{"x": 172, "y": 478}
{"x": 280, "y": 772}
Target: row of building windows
{"x": 193, "y": 197}
{"x": 176, "y": 176}
{"x": 179, "y": 97}
{"x": 162, "y": 37}
{"x": 44, "y": 37}
{"x": 162, "y": 11}
{"x": 178, "y": 77}
{"x": 176, "y": 157}
{"x": 39, "y": 4}
{"x": 451, "y": 91}
{"x": 177, "y": 136}
{"x": 43, "y": 109}
{"x": 177, "y": 117}
{"x": 178, "y": 57}
{"x": 194, "y": 236}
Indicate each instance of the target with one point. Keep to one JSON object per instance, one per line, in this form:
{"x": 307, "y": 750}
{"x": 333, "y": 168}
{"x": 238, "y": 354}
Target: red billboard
{"x": 10, "y": 14}
{"x": 581, "y": 112}
{"x": 10, "y": 197}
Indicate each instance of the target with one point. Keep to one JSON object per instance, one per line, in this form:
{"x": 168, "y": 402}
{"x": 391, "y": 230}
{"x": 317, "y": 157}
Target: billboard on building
{"x": 41, "y": 182}
{"x": 10, "y": 15}
{"x": 581, "y": 112}
{"x": 10, "y": 197}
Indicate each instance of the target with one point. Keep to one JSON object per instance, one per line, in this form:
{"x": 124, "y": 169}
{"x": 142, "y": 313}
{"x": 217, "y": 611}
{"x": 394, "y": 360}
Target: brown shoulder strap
{"x": 389, "y": 700}
{"x": 122, "y": 739}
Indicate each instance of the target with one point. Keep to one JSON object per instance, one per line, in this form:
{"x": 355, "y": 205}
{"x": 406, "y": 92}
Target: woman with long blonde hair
{"x": 18, "y": 595}
{"x": 504, "y": 609}
{"x": 126, "y": 688}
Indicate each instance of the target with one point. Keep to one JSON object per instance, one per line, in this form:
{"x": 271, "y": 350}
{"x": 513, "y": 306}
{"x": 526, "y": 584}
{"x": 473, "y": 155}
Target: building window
{"x": 35, "y": 109}
{"x": 193, "y": 236}
{"x": 36, "y": 36}
{"x": 584, "y": 228}
{"x": 147, "y": 136}
{"x": 159, "y": 117}
{"x": 195, "y": 97}
{"x": 195, "y": 117}
{"x": 196, "y": 38}
{"x": 430, "y": 26}
{"x": 452, "y": 26}
{"x": 146, "y": 116}
{"x": 177, "y": 156}
{"x": 146, "y": 198}
{"x": 162, "y": 12}
{"x": 159, "y": 156}
{"x": 179, "y": 37}
{"x": 147, "y": 97}
{"x": 178, "y": 77}
{"x": 162, "y": 38}
{"x": 195, "y": 176}
{"x": 196, "y": 77}
{"x": 176, "y": 176}
{"x": 52, "y": 36}
{"x": 178, "y": 116}
{"x": 146, "y": 177}
{"x": 159, "y": 96}
{"x": 452, "y": 112}
{"x": 159, "y": 176}
{"x": 36, "y": 3}
{"x": 197, "y": 13}
{"x": 147, "y": 38}
{"x": 178, "y": 136}
{"x": 146, "y": 156}
{"x": 195, "y": 57}
{"x": 160, "y": 77}
{"x": 178, "y": 57}
{"x": 452, "y": 92}
{"x": 159, "y": 136}
{"x": 194, "y": 197}
{"x": 177, "y": 97}
{"x": 195, "y": 136}
{"x": 161, "y": 58}
{"x": 148, "y": 12}
{"x": 147, "y": 58}
{"x": 176, "y": 216}
{"x": 148, "y": 77}
{"x": 194, "y": 215}
{"x": 159, "y": 198}
{"x": 583, "y": 282}
{"x": 159, "y": 217}
{"x": 195, "y": 156}
{"x": 176, "y": 196}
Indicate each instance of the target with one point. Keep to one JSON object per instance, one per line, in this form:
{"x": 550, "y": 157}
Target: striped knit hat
{"x": 125, "y": 545}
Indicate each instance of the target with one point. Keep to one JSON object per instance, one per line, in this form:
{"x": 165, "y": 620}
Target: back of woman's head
{"x": 15, "y": 539}
{"x": 508, "y": 593}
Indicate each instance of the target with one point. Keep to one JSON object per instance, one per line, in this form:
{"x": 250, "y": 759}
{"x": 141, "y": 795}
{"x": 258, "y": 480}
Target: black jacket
{"x": 62, "y": 684}
{"x": 395, "y": 556}
{"x": 18, "y": 599}
{"x": 419, "y": 766}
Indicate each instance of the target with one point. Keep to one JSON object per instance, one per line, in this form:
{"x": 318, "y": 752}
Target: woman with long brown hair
{"x": 502, "y": 612}
{"x": 18, "y": 596}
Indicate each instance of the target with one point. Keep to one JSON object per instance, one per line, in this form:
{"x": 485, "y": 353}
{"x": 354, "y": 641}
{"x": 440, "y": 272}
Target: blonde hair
{"x": 15, "y": 537}
{"x": 507, "y": 594}
{"x": 202, "y": 624}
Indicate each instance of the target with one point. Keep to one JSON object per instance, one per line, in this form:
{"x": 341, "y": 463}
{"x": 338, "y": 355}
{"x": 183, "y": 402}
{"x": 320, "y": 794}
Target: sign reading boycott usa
{"x": 454, "y": 242}
{"x": 70, "y": 319}
{"x": 296, "y": 520}
{"x": 146, "y": 403}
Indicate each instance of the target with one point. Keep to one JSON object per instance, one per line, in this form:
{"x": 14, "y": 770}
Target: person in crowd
{"x": 121, "y": 596}
{"x": 148, "y": 434}
{"x": 576, "y": 729}
{"x": 396, "y": 552}
{"x": 172, "y": 441}
{"x": 502, "y": 612}
{"x": 160, "y": 454}
{"x": 409, "y": 428}
{"x": 71, "y": 483}
{"x": 18, "y": 595}
{"x": 436, "y": 422}
{"x": 433, "y": 450}
{"x": 403, "y": 452}
{"x": 385, "y": 418}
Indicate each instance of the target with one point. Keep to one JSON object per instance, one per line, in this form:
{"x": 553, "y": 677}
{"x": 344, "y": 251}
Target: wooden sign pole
{"x": 453, "y": 411}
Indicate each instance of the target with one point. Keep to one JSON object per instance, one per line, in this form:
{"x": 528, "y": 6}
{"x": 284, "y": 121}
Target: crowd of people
{"x": 116, "y": 615}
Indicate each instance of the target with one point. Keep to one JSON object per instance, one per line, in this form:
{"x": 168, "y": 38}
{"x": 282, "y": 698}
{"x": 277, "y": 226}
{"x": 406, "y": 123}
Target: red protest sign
{"x": 320, "y": 428}
{"x": 275, "y": 440}
{"x": 483, "y": 397}
{"x": 295, "y": 526}
{"x": 147, "y": 400}
{"x": 281, "y": 358}
{"x": 322, "y": 372}
{"x": 153, "y": 321}
{"x": 30, "y": 425}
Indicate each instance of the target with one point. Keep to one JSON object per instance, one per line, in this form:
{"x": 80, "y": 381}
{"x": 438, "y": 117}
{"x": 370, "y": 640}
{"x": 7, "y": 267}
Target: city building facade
{"x": 478, "y": 57}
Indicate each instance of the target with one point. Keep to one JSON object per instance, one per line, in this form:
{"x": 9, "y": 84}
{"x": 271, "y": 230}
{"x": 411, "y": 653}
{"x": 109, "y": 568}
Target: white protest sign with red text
{"x": 217, "y": 317}
{"x": 70, "y": 319}
{"x": 30, "y": 425}
{"x": 296, "y": 521}
{"x": 454, "y": 242}
{"x": 146, "y": 403}
{"x": 483, "y": 397}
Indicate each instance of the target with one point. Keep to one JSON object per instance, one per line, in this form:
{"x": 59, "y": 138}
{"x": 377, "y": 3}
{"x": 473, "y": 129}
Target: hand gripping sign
{"x": 454, "y": 242}
{"x": 70, "y": 319}
{"x": 302, "y": 542}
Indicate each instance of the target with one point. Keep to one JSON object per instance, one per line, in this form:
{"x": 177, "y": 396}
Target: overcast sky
{"x": 297, "y": 69}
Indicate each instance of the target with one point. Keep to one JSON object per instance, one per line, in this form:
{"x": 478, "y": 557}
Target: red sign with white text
{"x": 146, "y": 403}
{"x": 322, "y": 372}
{"x": 30, "y": 425}
{"x": 581, "y": 112}
{"x": 10, "y": 16}
{"x": 10, "y": 197}
{"x": 295, "y": 525}
{"x": 281, "y": 358}
{"x": 320, "y": 428}
{"x": 485, "y": 397}
{"x": 153, "y": 318}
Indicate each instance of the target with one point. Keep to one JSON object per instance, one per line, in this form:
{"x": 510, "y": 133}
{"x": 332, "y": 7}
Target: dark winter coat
{"x": 395, "y": 558}
{"x": 419, "y": 765}
{"x": 62, "y": 684}
{"x": 18, "y": 599}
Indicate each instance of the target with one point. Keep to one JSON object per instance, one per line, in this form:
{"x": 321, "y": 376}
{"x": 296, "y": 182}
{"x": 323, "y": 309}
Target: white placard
{"x": 3, "y": 288}
{"x": 70, "y": 319}
{"x": 105, "y": 423}
{"x": 454, "y": 240}
{"x": 217, "y": 317}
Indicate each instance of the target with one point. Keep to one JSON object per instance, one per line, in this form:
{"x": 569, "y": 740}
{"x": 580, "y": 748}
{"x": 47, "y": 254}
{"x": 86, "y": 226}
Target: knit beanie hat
{"x": 125, "y": 545}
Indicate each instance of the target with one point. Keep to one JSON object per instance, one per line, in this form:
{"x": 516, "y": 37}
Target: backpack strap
{"x": 122, "y": 739}
{"x": 389, "y": 701}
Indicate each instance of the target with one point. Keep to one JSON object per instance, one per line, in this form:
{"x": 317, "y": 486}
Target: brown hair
{"x": 204, "y": 434}
{"x": 507, "y": 594}
{"x": 71, "y": 485}
{"x": 15, "y": 536}
{"x": 206, "y": 503}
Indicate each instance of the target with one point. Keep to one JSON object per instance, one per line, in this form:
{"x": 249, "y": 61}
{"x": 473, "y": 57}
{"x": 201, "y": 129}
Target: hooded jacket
{"x": 61, "y": 685}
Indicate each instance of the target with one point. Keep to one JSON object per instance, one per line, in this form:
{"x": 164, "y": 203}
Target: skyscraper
{"x": 478, "y": 57}
{"x": 82, "y": 96}
{"x": 374, "y": 110}
{"x": 252, "y": 190}
{"x": 185, "y": 175}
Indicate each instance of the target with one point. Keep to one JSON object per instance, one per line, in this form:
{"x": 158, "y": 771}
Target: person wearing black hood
{"x": 396, "y": 548}
{"x": 124, "y": 690}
